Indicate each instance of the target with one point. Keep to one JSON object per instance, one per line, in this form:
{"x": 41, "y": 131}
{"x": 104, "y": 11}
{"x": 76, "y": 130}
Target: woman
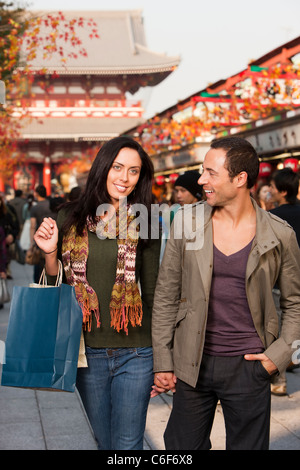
{"x": 262, "y": 196}
{"x": 105, "y": 269}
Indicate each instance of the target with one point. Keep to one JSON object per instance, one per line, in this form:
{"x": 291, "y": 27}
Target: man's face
{"x": 276, "y": 196}
{"x": 218, "y": 187}
{"x": 183, "y": 196}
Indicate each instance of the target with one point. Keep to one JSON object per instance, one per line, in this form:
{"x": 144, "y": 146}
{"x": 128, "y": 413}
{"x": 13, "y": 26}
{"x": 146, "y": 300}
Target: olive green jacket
{"x": 183, "y": 288}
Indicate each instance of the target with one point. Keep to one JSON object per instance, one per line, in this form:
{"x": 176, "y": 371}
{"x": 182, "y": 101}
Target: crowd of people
{"x": 206, "y": 324}
{"x": 20, "y": 217}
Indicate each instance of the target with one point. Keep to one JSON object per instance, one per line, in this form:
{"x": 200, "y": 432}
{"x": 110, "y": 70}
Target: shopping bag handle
{"x": 43, "y": 278}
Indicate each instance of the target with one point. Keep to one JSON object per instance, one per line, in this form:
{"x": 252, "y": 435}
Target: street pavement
{"x": 42, "y": 420}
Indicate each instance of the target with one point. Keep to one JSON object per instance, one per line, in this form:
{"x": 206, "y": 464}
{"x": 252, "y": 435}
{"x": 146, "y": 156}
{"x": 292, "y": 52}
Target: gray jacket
{"x": 183, "y": 289}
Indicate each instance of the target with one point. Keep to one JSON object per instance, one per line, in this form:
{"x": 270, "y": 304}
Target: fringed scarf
{"x": 125, "y": 303}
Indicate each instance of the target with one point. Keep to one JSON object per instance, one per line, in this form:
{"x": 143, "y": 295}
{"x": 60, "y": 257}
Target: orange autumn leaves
{"x": 253, "y": 95}
{"x": 22, "y": 37}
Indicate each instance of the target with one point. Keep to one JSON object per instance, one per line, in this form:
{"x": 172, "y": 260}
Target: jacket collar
{"x": 265, "y": 238}
{"x": 264, "y": 241}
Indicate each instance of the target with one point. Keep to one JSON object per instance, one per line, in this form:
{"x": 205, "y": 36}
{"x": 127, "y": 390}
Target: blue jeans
{"x": 115, "y": 391}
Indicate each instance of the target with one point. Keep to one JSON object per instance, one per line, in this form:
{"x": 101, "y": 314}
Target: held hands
{"x": 163, "y": 382}
{"x": 46, "y": 236}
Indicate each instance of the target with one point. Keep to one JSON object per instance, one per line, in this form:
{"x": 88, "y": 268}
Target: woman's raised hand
{"x": 46, "y": 236}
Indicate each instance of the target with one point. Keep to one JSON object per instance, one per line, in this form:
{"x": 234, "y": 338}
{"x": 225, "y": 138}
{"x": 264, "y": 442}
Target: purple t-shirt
{"x": 230, "y": 330}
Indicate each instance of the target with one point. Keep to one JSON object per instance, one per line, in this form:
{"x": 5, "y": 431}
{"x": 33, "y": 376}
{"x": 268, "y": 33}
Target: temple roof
{"x": 289, "y": 48}
{"x": 120, "y": 49}
{"x": 88, "y": 129}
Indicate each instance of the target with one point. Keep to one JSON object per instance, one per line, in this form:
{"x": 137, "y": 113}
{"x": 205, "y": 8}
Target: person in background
{"x": 186, "y": 187}
{"x": 284, "y": 190}
{"x": 186, "y": 191}
{"x": 3, "y": 255}
{"x": 37, "y": 212}
{"x": 18, "y": 203}
{"x": 9, "y": 222}
{"x": 56, "y": 203}
{"x": 75, "y": 193}
{"x": 25, "y": 242}
{"x": 114, "y": 279}
{"x": 27, "y": 207}
{"x": 263, "y": 197}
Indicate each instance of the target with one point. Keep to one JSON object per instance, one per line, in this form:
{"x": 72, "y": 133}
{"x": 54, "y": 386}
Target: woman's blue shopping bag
{"x": 43, "y": 337}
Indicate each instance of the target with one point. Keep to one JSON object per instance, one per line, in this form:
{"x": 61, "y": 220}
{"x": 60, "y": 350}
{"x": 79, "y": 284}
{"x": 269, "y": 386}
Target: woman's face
{"x": 123, "y": 175}
{"x": 264, "y": 192}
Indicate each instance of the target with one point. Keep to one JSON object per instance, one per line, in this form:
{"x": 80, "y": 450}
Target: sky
{"x": 214, "y": 38}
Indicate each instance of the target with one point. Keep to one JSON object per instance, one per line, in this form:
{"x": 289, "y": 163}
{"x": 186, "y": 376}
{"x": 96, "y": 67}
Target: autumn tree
{"x": 22, "y": 36}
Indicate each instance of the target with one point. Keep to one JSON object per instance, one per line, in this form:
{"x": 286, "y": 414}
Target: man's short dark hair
{"x": 240, "y": 156}
{"x": 287, "y": 180}
{"x": 41, "y": 191}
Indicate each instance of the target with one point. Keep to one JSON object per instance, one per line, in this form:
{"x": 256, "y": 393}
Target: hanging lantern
{"x": 160, "y": 180}
{"x": 173, "y": 177}
{"x": 291, "y": 163}
{"x": 265, "y": 169}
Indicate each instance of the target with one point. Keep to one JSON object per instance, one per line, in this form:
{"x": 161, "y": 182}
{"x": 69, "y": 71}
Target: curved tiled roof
{"x": 89, "y": 129}
{"x": 120, "y": 49}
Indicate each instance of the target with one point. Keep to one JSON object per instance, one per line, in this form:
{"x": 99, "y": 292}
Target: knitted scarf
{"x": 125, "y": 303}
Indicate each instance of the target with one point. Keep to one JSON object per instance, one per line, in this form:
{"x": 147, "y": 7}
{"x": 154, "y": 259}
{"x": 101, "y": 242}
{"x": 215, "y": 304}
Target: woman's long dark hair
{"x": 95, "y": 192}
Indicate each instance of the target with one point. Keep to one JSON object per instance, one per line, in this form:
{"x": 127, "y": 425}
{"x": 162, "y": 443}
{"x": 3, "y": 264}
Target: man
{"x": 214, "y": 321}
{"x": 16, "y": 206}
{"x": 18, "y": 203}
{"x": 284, "y": 190}
{"x": 37, "y": 213}
{"x": 187, "y": 189}
{"x": 9, "y": 221}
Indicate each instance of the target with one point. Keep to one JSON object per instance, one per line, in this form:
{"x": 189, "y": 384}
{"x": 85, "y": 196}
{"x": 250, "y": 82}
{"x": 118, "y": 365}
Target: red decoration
{"x": 265, "y": 169}
{"x": 173, "y": 177}
{"x": 291, "y": 163}
{"x": 25, "y": 178}
{"x": 160, "y": 180}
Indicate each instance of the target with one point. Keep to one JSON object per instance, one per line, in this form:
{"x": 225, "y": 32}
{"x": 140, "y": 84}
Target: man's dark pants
{"x": 243, "y": 388}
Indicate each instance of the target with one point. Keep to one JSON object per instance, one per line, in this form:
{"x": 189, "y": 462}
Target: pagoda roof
{"x": 120, "y": 49}
{"x": 78, "y": 129}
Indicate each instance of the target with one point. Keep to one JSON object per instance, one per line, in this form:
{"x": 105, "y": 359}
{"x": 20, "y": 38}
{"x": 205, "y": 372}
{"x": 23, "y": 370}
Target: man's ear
{"x": 283, "y": 193}
{"x": 242, "y": 178}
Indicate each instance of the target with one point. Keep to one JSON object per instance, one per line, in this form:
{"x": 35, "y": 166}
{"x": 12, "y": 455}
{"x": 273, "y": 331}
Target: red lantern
{"x": 265, "y": 169}
{"x": 160, "y": 180}
{"x": 291, "y": 163}
{"x": 173, "y": 177}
